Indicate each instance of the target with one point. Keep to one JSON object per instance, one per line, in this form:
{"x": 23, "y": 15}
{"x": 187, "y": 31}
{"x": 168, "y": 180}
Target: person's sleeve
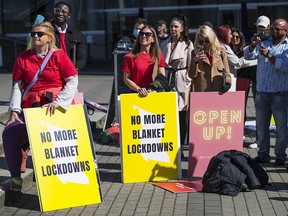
{"x": 15, "y": 97}
{"x": 66, "y": 67}
{"x": 126, "y": 66}
{"x": 281, "y": 63}
{"x": 237, "y": 62}
{"x": 17, "y": 71}
{"x": 161, "y": 62}
{"x": 81, "y": 53}
{"x": 250, "y": 55}
{"x": 226, "y": 66}
{"x": 193, "y": 66}
{"x": 189, "y": 56}
{"x": 66, "y": 95}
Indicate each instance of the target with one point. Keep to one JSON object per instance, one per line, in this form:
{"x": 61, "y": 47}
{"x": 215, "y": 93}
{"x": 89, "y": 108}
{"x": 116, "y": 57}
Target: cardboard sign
{"x": 216, "y": 124}
{"x": 150, "y": 145}
{"x": 63, "y": 158}
{"x": 184, "y": 186}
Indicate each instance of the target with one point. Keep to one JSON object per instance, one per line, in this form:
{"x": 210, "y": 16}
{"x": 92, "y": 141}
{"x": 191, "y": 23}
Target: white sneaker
{"x": 253, "y": 146}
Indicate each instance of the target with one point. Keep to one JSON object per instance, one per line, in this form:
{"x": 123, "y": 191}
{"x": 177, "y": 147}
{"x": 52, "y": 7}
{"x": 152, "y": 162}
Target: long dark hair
{"x": 155, "y": 50}
{"x": 184, "y": 36}
{"x": 239, "y": 51}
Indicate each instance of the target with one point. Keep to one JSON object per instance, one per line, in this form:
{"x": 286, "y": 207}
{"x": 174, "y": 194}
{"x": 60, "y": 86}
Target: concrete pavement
{"x": 145, "y": 198}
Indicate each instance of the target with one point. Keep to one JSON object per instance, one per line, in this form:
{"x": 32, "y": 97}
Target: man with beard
{"x": 69, "y": 38}
{"x": 272, "y": 89}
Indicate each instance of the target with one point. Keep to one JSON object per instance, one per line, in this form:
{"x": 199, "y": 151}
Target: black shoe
{"x": 259, "y": 160}
{"x": 279, "y": 162}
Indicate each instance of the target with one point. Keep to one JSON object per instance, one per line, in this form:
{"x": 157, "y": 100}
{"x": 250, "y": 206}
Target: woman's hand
{"x": 51, "y": 107}
{"x": 199, "y": 57}
{"x": 143, "y": 92}
{"x": 151, "y": 91}
{"x": 13, "y": 118}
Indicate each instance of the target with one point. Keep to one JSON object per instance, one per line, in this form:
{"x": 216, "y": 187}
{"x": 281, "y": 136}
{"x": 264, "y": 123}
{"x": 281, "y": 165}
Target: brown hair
{"x": 155, "y": 50}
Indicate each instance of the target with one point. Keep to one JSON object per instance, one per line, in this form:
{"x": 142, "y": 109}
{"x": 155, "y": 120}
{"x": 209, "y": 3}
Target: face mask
{"x": 136, "y": 32}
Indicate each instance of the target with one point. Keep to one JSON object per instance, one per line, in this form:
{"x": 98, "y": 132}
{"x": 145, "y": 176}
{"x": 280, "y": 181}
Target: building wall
{"x": 105, "y": 22}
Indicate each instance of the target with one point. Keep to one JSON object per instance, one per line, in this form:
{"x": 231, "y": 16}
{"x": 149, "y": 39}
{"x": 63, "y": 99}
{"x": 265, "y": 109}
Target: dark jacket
{"x": 232, "y": 171}
{"x": 74, "y": 38}
{"x": 160, "y": 84}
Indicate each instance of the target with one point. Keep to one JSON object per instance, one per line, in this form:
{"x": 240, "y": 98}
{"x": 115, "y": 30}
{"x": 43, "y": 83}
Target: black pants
{"x": 183, "y": 126}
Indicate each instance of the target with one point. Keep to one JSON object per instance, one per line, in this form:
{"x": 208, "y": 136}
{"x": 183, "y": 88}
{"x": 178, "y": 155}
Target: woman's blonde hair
{"x": 50, "y": 30}
{"x": 207, "y": 32}
{"x": 155, "y": 50}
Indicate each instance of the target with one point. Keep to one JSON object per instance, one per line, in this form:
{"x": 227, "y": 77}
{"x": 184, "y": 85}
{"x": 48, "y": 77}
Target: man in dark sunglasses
{"x": 69, "y": 38}
{"x": 272, "y": 90}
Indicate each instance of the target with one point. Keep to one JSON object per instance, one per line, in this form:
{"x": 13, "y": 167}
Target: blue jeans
{"x": 267, "y": 104}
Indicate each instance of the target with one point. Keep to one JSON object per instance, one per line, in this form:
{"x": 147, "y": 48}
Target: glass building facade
{"x": 104, "y": 22}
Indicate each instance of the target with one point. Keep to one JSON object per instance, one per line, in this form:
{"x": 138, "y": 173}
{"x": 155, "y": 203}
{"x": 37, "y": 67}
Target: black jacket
{"x": 74, "y": 38}
{"x": 232, "y": 171}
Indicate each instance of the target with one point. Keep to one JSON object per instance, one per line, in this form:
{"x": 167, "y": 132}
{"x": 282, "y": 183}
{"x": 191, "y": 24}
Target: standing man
{"x": 68, "y": 38}
{"x": 138, "y": 25}
{"x": 272, "y": 89}
{"x": 263, "y": 33}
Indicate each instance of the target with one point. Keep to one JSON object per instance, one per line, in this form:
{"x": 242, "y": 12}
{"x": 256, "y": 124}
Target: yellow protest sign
{"x": 150, "y": 142}
{"x": 63, "y": 159}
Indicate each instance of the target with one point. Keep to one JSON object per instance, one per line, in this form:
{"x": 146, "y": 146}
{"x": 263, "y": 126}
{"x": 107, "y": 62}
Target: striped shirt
{"x": 271, "y": 78}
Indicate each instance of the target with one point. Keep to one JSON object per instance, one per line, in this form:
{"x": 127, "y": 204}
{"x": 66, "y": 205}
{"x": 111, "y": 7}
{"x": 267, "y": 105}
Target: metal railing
{"x": 10, "y": 49}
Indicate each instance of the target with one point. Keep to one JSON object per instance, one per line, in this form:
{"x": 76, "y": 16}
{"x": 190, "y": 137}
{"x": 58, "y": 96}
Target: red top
{"x": 141, "y": 68}
{"x": 56, "y": 70}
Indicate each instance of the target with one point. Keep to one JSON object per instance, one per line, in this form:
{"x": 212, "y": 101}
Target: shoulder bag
{"x": 39, "y": 72}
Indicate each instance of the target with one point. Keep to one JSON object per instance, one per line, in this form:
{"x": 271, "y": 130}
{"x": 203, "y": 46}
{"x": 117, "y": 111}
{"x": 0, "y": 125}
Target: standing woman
{"x": 54, "y": 88}
{"x": 139, "y": 64}
{"x": 177, "y": 53}
{"x": 237, "y": 42}
{"x": 224, "y": 34}
{"x": 207, "y": 63}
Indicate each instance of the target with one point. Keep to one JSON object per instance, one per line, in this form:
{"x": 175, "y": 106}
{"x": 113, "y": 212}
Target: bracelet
{"x": 269, "y": 55}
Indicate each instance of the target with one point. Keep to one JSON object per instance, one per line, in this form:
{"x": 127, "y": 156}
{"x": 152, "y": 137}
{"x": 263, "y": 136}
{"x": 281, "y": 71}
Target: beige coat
{"x": 179, "y": 58}
{"x": 207, "y": 77}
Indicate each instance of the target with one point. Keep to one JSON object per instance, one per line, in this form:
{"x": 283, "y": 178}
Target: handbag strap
{"x": 39, "y": 72}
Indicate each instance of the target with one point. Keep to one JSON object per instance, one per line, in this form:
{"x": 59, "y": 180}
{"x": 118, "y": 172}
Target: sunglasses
{"x": 147, "y": 34}
{"x": 59, "y": 11}
{"x": 236, "y": 36}
{"x": 276, "y": 29}
{"x": 40, "y": 34}
{"x": 203, "y": 41}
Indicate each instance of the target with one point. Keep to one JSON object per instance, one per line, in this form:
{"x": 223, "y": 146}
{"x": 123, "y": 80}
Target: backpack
{"x": 231, "y": 172}
{"x": 111, "y": 135}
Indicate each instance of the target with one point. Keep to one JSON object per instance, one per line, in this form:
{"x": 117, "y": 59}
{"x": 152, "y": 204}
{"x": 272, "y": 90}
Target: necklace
{"x": 41, "y": 54}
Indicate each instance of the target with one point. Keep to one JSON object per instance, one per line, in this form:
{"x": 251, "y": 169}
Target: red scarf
{"x": 210, "y": 57}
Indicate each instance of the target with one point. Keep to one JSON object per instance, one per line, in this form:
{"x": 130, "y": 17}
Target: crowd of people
{"x": 194, "y": 67}
{"x": 164, "y": 53}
